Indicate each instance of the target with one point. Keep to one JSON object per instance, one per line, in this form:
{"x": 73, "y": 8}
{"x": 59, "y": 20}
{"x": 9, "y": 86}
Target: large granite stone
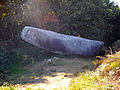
{"x": 60, "y": 43}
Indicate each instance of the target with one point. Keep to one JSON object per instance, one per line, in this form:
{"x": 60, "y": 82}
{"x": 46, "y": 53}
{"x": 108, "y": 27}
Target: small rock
{"x": 116, "y": 45}
{"x": 53, "y": 70}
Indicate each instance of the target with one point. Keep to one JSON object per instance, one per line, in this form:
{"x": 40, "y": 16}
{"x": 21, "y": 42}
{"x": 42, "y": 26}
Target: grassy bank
{"x": 105, "y": 77}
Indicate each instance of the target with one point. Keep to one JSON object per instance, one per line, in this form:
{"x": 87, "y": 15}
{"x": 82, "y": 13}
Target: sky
{"x": 117, "y": 2}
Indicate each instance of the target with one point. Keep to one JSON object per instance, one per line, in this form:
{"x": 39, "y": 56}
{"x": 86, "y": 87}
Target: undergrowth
{"x": 14, "y": 88}
{"x": 86, "y": 82}
{"x": 10, "y": 64}
{"x": 105, "y": 77}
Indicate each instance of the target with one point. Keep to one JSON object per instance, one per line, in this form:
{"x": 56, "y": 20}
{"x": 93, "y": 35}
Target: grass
{"x": 33, "y": 89}
{"x": 86, "y": 81}
{"x": 100, "y": 79}
{"x": 105, "y": 77}
{"x": 14, "y": 69}
{"x": 14, "y": 88}
{"x": 110, "y": 63}
{"x": 8, "y": 88}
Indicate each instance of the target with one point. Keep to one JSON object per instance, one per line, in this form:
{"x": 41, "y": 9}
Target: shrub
{"x": 110, "y": 64}
{"x": 105, "y": 77}
{"x": 7, "y": 59}
{"x": 86, "y": 18}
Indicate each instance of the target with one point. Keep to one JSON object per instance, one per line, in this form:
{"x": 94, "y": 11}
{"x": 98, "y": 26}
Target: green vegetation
{"x": 33, "y": 89}
{"x": 13, "y": 88}
{"x": 105, "y": 77}
{"x": 7, "y": 88}
{"x": 92, "y": 19}
{"x": 86, "y": 81}
{"x": 10, "y": 24}
{"x": 9, "y": 64}
{"x": 88, "y": 18}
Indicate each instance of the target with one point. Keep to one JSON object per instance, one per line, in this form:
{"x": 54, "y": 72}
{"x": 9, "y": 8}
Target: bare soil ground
{"x": 53, "y": 73}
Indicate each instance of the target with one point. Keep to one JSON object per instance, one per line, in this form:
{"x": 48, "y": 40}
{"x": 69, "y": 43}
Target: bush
{"x": 86, "y": 18}
{"x": 10, "y": 23}
{"x": 105, "y": 77}
{"x": 7, "y": 59}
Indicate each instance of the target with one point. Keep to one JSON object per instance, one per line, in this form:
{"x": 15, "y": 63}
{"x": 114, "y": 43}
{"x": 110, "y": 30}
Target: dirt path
{"x": 54, "y": 73}
{"x": 50, "y": 74}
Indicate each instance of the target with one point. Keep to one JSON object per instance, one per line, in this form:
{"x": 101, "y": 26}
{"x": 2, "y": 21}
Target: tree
{"x": 10, "y": 25}
{"x": 87, "y": 18}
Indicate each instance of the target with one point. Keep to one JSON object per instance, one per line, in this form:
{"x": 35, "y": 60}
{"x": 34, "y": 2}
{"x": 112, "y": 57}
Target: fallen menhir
{"x": 60, "y": 43}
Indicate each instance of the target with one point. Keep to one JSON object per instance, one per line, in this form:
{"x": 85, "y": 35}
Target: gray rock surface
{"x": 60, "y": 43}
{"x": 116, "y": 45}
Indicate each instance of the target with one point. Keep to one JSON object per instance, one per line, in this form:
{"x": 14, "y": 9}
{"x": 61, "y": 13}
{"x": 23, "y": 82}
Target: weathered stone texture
{"x": 60, "y": 43}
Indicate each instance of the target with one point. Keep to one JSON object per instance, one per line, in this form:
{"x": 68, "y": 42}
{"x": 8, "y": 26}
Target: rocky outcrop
{"x": 60, "y": 43}
{"x": 116, "y": 45}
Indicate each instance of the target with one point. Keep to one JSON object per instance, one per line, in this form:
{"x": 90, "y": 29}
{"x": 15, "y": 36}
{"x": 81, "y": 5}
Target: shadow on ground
{"x": 44, "y": 69}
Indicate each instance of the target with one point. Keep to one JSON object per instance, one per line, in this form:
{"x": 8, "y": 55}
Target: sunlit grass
{"x": 14, "y": 88}
{"x": 33, "y": 89}
{"x": 8, "y": 88}
{"x": 86, "y": 82}
{"x": 101, "y": 78}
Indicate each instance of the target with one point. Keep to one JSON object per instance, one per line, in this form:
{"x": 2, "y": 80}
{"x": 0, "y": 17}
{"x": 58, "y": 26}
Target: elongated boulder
{"x": 60, "y": 43}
